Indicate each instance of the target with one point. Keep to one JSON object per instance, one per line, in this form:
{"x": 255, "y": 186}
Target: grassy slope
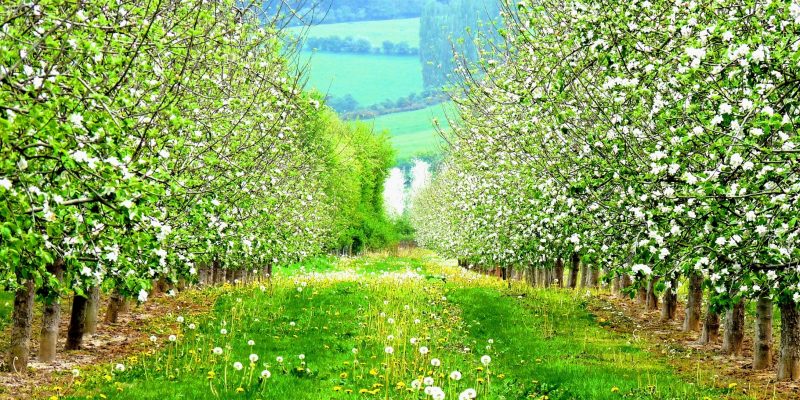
{"x": 397, "y": 30}
{"x": 370, "y": 79}
{"x": 542, "y": 343}
{"x": 412, "y": 132}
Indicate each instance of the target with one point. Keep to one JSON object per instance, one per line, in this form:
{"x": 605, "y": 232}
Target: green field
{"x": 370, "y": 79}
{"x": 413, "y": 132}
{"x": 396, "y": 30}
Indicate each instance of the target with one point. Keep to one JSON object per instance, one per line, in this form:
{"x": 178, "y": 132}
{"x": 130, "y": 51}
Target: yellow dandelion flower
{"x": 343, "y": 375}
{"x": 363, "y": 391}
{"x": 501, "y": 376}
{"x": 614, "y": 389}
{"x": 731, "y": 385}
{"x": 337, "y": 388}
{"x": 348, "y": 391}
{"x": 239, "y": 390}
{"x": 373, "y": 372}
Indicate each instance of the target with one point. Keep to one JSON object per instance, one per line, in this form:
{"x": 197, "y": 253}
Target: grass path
{"x": 388, "y": 328}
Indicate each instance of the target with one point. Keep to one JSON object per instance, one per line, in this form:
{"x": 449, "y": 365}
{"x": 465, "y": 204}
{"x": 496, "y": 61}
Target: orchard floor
{"x": 372, "y": 328}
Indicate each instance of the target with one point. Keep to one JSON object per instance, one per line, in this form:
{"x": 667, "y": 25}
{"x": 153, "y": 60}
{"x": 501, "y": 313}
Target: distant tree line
{"x": 349, "y": 108}
{"x": 466, "y": 26}
{"x": 349, "y": 44}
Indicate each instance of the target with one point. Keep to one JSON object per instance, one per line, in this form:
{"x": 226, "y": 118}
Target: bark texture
{"x": 789, "y": 362}
{"x": 694, "y": 304}
{"x": 21, "y": 325}
{"x": 734, "y": 330}
{"x": 651, "y": 297}
{"x": 575, "y": 264}
{"x": 762, "y": 343}
{"x": 77, "y": 322}
{"x": 92, "y": 309}
{"x": 51, "y": 317}
{"x": 710, "y": 333}
{"x": 669, "y": 302}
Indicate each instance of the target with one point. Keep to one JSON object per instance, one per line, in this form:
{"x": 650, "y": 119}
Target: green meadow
{"x": 376, "y": 32}
{"x": 369, "y": 78}
{"x": 413, "y": 132}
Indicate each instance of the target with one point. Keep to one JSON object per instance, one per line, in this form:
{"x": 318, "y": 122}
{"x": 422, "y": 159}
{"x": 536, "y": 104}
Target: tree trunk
{"x": 585, "y": 275}
{"x": 710, "y": 333}
{"x": 594, "y": 277}
{"x": 694, "y": 304}
{"x": 92, "y": 309}
{"x": 22, "y": 321}
{"x": 202, "y": 275}
{"x": 669, "y": 305}
{"x": 734, "y": 330}
{"x": 77, "y": 322}
{"x": 229, "y": 275}
{"x": 762, "y": 343}
{"x": 789, "y": 362}
{"x": 115, "y": 305}
{"x": 558, "y": 272}
{"x": 51, "y": 317}
{"x": 575, "y": 264}
{"x": 652, "y": 299}
{"x": 624, "y": 283}
{"x": 641, "y": 293}
{"x": 238, "y": 277}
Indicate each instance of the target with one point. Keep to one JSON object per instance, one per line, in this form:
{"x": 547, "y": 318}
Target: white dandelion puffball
{"x": 279, "y": 359}
{"x": 292, "y": 323}
{"x": 192, "y": 326}
{"x": 76, "y": 372}
{"x": 253, "y": 358}
{"x": 217, "y": 351}
{"x": 485, "y": 360}
{"x": 266, "y": 374}
{"x": 251, "y": 343}
{"x": 389, "y": 350}
{"x": 427, "y": 381}
{"x": 153, "y": 338}
{"x": 355, "y": 350}
{"x": 302, "y": 356}
{"x": 223, "y": 331}
{"x": 180, "y": 319}
{"x": 238, "y": 366}
{"x": 423, "y": 350}
{"x": 455, "y": 375}
{"x": 436, "y": 362}
{"x": 120, "y": 367}
{"x": 172, "y": 338}
{"x": 468, "y": 394}
{"x": 416, "y": 384}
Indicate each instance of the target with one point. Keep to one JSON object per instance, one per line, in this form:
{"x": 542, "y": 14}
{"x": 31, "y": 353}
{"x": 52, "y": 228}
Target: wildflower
{"x": 223, "y": 331}
{"x": 180, "y": 319}
{"x": 455, "y": 375}
{"x": 343, "y": 375}
{"x": 251, "y": 343}
{"x": 120, "y": 367}
{"x": 75, "y": 373}
{"x": 468, "y": 394}
{"x": 614, "y": 389}
{"x": 427, "y": 381}
{"x": 172, "y": 338}
{"x": 279, "y": 359}
{"x": 253, "y": 358}
{"x": 485, "y": 360}
{"x": 5, "y": 184}
{"x": 436, "y": 362}
{"x": 153, "y": 338}
{"x": 238, "y": 366}
{"x": 217, "y": 351}
{"x": 302, "y": 356}
{"x": 423, "y": 350}
{"x": 389, "y": 350}
{"x": 192, "y": 326}
{"x": 266, "y": 374}
{"x": 211, "y": 375}
{"x": 355, "y": 350}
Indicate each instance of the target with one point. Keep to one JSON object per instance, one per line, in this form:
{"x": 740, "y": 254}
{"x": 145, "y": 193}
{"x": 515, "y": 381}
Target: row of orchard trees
{"x": 144, "y": 141}
{"x": 654, "y": 139}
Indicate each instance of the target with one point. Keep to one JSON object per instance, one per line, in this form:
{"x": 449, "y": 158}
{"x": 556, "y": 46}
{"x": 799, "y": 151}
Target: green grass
{"x": 6, "y": 306}
{"x": 396, "y": 30}
{"x": 549, "y": 337}
{"x": 370, "y": 79}
{"x": 412, "y": 132}
{"x": 544, "y": 343}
